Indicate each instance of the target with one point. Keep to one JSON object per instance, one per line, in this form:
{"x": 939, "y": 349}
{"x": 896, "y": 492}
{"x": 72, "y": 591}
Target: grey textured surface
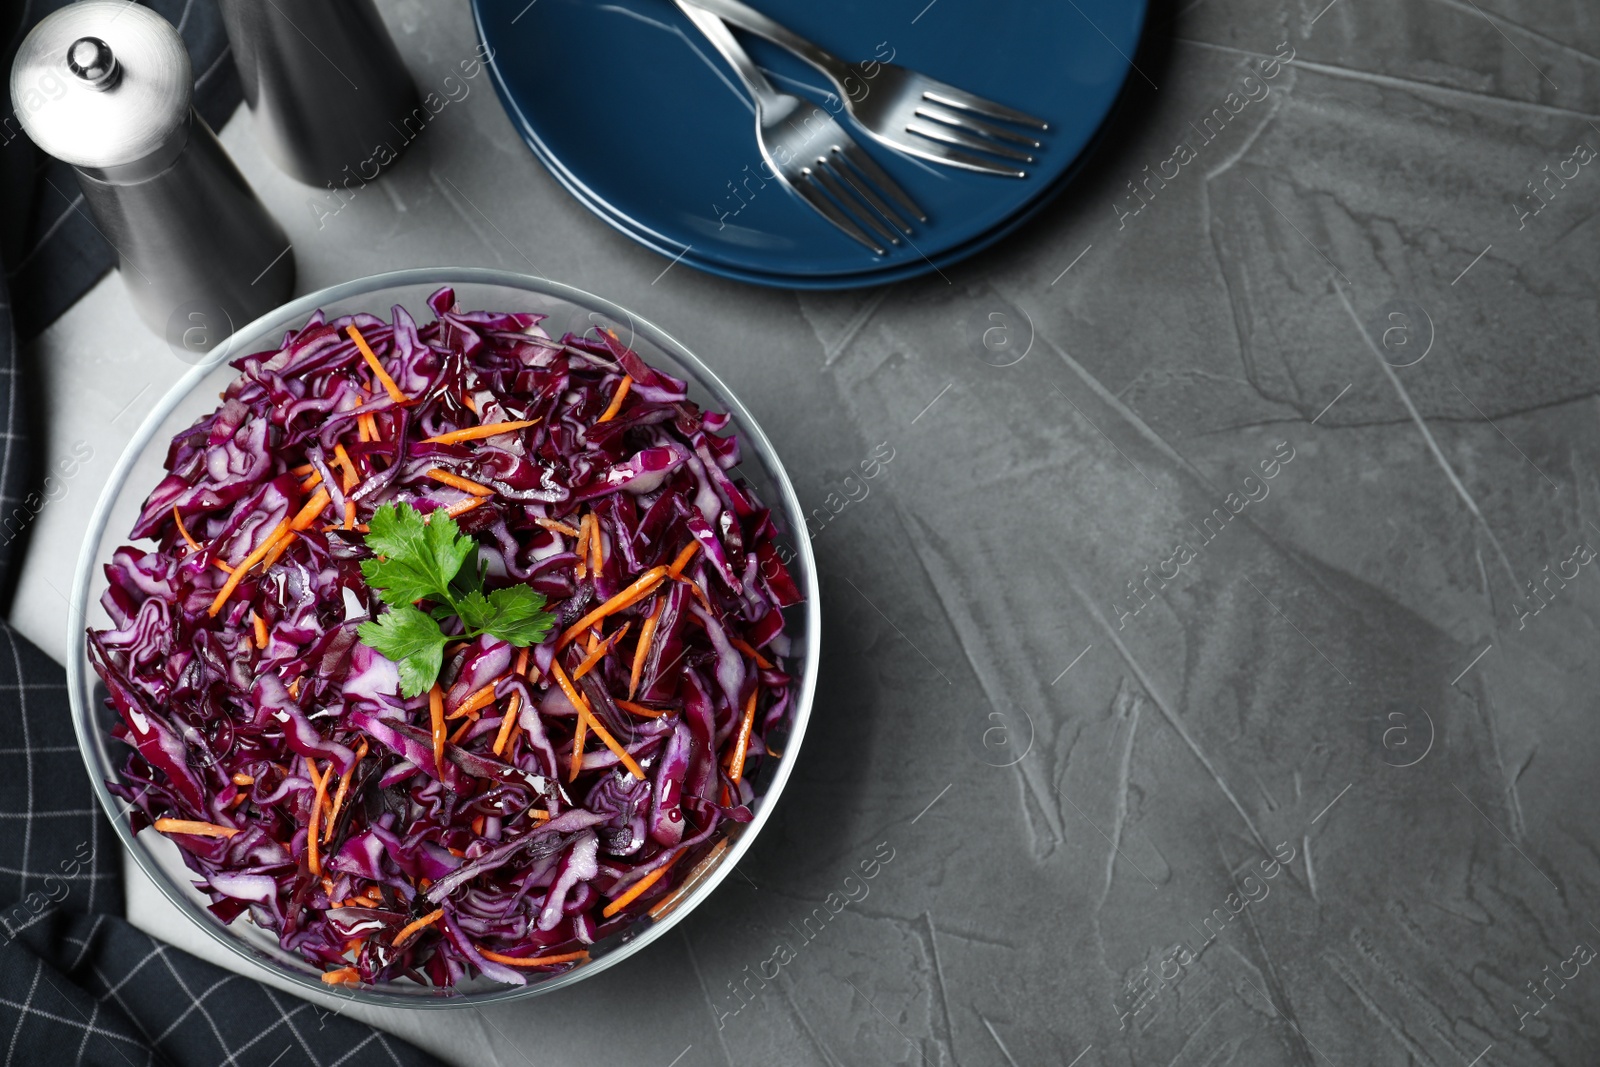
{"x": 1348, "y": 675}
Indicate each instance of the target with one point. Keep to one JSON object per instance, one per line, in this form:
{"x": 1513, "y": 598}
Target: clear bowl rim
{"x": 751, "y": 435}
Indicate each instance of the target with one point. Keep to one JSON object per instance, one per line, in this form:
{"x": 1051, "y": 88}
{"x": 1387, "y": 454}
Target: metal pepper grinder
{"x": 327, "y": 111}
{"x": 106, "y": 86}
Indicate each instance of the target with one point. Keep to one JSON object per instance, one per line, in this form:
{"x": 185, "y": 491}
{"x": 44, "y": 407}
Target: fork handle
{"x": 748, "y": 18}
{"x": 721, "y": 38}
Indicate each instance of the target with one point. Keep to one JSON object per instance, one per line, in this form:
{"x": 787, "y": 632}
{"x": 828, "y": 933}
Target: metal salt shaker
{"x": 106, "y": 86}
{"x": 324, "y": 81}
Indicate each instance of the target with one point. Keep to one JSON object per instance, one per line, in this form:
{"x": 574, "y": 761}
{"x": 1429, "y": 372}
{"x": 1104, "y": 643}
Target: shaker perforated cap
{"x": 102, "y": 83}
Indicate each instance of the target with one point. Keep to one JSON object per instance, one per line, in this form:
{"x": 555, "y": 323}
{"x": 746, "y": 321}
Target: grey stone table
{"x": 1209, "y": 673}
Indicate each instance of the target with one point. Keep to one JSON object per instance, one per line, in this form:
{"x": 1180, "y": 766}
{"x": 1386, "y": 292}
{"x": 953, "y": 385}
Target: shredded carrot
{"x": 249, "y": 561}
{"x": 342, "y": 460}
{"x": 683, "y": 559}
{"x": 616, "y": 401}
{"x": 461, "y": 507}
{"x": 221, "y": 566}
{"x": 477, "y": 826}
{"x": 436, "y": 718}
{"x": 455, "y": 481}
{"x": 302, "y": 470}
{"x": 706, "y": 862}
{"x": 538, "y": 816}
{"x": 474, "y": 433}
{"x": 638, "y": 889}
{"x": 344, "y": 975}
{"x": 647, "y": 634}
{"x": 461, "y": 731}
{"x": 197, "y": 829}
{"x": 410, "y": 930}
{"x": 586, "y": 717}
{"x": 467, "y": 399}
{"x": 507, "y": 722}
{"x": 313, "y": 860}
{"x": 637, "y": 591}
{"x": 598, "y": 653}
{"x": 582, "y": 730}
{"x": 311, "y": 482}
{"x": 597, "y": 545}
{"x": 308, "y": 514}
{"x": 640, "y": 709}
{"x": 369, "y": 425}
{"x": 579, "y": 735}
{"x": 361, "y": 429}
{"x": 349, "y": 514}
{"x": 243, "y": 779}
{"x": 742, "y": 741}
{"x": 344, "y": 787}
{"x": 277, "y": 550}
{"x": 581, "y": 550}
{"x": 480, "y": 699}
{"x": 183, "y": 529}
{"x": 535, "y": 961}
{"x": 557, "y": 527}
{"x": 294, "y": 689}
{"x": 744, "y": 646}
{"x": 699, "y": 594}
{"x": 260, "y": 625}
{"x": 377, "y": 368}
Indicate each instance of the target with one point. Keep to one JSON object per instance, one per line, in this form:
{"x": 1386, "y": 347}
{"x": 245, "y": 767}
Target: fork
{"x": 812, "y": 154}
{"x": 908, "y": 111}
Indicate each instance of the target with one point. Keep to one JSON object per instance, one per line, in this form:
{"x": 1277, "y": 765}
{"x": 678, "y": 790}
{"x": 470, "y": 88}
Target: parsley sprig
{"x": 422, "y": 561}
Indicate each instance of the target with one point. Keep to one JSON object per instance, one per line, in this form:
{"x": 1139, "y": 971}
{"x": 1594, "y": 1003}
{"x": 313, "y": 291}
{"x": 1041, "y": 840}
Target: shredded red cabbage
{"x": 499, "y": 854}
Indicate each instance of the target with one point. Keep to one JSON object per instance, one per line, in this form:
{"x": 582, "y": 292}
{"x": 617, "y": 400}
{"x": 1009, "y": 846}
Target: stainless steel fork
{"x": 908, "y": 111}
{"x": 808, "y": 151}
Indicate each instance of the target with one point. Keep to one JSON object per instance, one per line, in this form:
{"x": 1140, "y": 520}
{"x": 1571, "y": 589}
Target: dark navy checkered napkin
{"x": 78, "y": 984}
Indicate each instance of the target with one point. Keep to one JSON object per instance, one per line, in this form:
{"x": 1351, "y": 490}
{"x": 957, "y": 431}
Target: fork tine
{"x": 950, "y": 96}
{"x": 852, "y": 207}
{"x": 825, "y": 207}
{"x": 965, "y": 140}
{"x": 966, "y": 121}
{"x": 875, "y": 174}
{"x": 943, "y": 153}
{"x": 863, "y": 189}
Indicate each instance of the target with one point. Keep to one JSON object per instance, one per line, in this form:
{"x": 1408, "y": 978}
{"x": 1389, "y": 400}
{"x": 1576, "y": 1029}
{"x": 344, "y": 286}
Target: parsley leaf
{"x": 422, "y": 559}
{"x": 519, "y": 616}
{"x": 413, "y": 641}
{"x": 475, "y": 610}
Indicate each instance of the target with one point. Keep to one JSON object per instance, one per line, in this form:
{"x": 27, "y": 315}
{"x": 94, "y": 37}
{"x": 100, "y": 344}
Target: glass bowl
{"x": 140, "y": 468}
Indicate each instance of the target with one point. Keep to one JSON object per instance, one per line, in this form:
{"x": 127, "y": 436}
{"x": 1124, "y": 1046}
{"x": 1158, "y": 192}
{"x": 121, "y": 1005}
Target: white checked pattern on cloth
{"x": 74, "y": 976}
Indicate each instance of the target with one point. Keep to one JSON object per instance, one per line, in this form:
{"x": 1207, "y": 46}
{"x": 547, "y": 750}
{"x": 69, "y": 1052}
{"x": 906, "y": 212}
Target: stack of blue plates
{"x": 635, "y": 114}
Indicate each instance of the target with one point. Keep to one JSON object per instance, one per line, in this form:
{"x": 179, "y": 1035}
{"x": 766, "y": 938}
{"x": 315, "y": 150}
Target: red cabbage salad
{"x": 457, "y": 648}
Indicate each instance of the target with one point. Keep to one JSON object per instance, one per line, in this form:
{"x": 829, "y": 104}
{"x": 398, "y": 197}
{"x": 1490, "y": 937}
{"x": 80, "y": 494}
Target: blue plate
{"x": 636, "y": 116}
